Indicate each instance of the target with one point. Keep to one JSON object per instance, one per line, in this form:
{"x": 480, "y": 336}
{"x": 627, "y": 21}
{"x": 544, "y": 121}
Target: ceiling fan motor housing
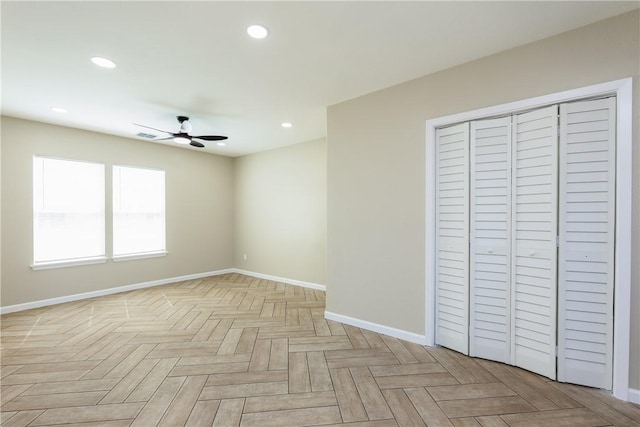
{"x": 185, "y": 125}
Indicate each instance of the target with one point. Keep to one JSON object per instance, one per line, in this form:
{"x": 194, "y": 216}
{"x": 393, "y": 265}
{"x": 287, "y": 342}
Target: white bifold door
{"x": 587, "y": 230}
{"x": 452, "y": 237}
{"x": 525, "y": 251}
{"x": 490, "y": 249}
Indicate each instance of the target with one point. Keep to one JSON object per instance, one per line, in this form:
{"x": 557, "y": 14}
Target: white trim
{"x": 375, "y": 327}
{"x": 109, "y": 291}
{"x": 634, "y": 396}
{"x": 281, "y": 279}
{"x": 622, "y": 272}
{"x": 68, "y": 263}
{"x": 130, "y": 257}
{"x": 624, "y": 177}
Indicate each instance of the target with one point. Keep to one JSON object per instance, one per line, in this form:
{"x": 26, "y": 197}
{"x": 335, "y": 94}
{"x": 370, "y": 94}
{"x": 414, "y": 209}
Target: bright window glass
{"x": 68, "y": 210}
{"x": 138, "y": 211}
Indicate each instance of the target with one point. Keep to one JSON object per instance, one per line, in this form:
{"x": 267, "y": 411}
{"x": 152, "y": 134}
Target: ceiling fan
{"x": 183, "y": 136}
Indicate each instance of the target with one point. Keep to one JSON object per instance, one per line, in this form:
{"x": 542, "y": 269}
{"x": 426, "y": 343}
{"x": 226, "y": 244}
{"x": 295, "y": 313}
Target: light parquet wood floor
{"x": 233, "y": 350}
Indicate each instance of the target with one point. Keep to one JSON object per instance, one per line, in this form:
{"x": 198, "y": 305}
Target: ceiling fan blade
{"x": 197, "y": 144}
{"x": 149, "y": 127}
{"x": 211, "y": 137}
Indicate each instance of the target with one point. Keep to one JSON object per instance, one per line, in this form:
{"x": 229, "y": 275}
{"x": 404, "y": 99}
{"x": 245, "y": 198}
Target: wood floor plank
{"x": 403, "y": 410}
{"x": 356, "y": 337}
{"x": 415, "y": 380}
{"x": 542, "y": 385}
{"x": 370, "y": 395}
{"x": 230, "y": 341}
{"x": 229, "y": 413}
{"x": 591, "y": 401}
{"x": 427, "y": 408}
{"x": 21, "y": 419}
{"x": 465, "y": 422}
{"x": 152, "y": 381}
{"x": 247, "y": 340}
{"x": 180, "y": 408}
{"x": 58, "y": 400}
{"x": 244, "y": 390}
{"x": 319, "y": 372}
{"x": 411, "y": 369}
{"x": 9, "y": 392}
{"x": 129, "y": 362}
{"x": 153, "y": 411}
{"x": 203, "y": 413}
{"x": 469, "y": 391}
{"x": 349, "y": 401}
{"x": 104, "y": 367}
{"x": 289, "y": 401}
{"x": 212, "y": 358}
{"x": 209, "y": 368}
{"x": 557, "y": 418}
{"x": 247, "y": 378}
{"x": 321, "y": 326}
{"x": 530, "y": 394}
{"x": 399, "y": 350}
{"x": 279, "y": 357}
{"x": 43, "y": 377}
{"x": 35, "y": 368}
{"x": 93, "y": 414}
{"x": 443, "y": 356}
{"x": 485, "y": 406}
{"x": 299, "y": 381}
{"x": 352, "y": 353}
{"x": 125, "y": 386}
{"x": 491, "y": 421}
{"x": 374, "y": 339}
{"x": 292, "y": 417}
{"x": 260, "y": 356}
{"x": 353, "y": 362}
{"x": 381, "y": 423}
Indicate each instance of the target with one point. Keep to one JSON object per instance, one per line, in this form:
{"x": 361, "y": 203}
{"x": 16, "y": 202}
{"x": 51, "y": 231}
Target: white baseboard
{"x": 281, "y": 279}
{"x": 109, "y": 291}
{"x": 634, "y": 395}
{"x": 381, "y": 329}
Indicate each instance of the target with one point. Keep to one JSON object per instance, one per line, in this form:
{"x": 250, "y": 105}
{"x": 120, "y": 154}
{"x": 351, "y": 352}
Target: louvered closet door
{"x": 490, "y": 221}
{"x": 534, "y": 228}
{"x": 452, "y": 237}
{"x": 586, "y": 255}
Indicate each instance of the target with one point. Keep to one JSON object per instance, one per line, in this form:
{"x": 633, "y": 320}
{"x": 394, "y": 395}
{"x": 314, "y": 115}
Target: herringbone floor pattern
{"x": 238, "y": 351}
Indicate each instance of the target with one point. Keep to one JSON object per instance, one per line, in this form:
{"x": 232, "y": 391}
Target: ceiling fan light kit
{"x": 183, "y": 136}
{"x": 181, "y": 139}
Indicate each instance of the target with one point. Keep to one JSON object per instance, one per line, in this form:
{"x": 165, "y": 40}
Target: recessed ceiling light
{"x": 103, "y": 62}
{"x": 59, "y": 110}
{"x": 221, "y": 144}
{"x": 287, "y": 125}
{"x": 257, "y": 31}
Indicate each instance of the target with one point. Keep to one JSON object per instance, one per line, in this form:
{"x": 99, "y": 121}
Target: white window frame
{"x": 137, "y": 255}
{"x": 623, "y": 90}
{"x": 69, "y": 262}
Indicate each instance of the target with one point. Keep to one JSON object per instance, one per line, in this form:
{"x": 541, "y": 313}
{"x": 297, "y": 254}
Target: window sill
{"x": 68, "y": 263}
{"x": 131, "y": 257}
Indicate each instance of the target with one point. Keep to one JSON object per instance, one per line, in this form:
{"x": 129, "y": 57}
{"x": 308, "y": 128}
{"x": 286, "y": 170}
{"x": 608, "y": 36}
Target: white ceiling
{"x": 195, "y": 59}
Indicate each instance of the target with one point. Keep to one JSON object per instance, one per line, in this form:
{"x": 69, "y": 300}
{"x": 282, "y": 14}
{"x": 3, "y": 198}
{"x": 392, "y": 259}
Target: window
{"x": 68, "y": 212}
{"x": 138, "y": 212}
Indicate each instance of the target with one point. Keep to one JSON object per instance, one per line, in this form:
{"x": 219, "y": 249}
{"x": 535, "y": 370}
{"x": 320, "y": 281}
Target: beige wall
{"x": 199, "y": 206}
{"x": 280, "y": 212}
{"x": 376, "y": 165}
